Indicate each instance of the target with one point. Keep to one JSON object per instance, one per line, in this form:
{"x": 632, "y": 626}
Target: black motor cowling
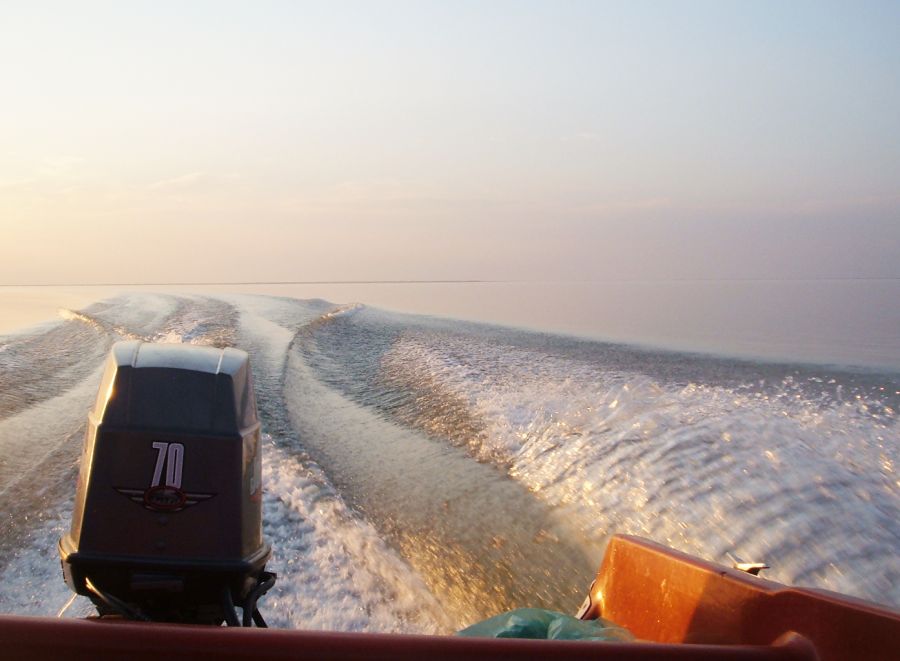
{"x": 167, "y": 523}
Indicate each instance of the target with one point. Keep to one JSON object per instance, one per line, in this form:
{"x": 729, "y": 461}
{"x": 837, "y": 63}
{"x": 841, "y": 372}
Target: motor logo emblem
{"x": 164, "y": 498}
{"x": 164, "y": 493}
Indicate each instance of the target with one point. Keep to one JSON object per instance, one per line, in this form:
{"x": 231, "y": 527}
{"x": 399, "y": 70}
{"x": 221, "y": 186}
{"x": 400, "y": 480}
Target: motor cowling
{"x": 167, "y": 521}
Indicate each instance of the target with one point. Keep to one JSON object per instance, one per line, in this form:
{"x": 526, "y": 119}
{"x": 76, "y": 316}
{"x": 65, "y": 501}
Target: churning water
{"x": 421, "y": 473}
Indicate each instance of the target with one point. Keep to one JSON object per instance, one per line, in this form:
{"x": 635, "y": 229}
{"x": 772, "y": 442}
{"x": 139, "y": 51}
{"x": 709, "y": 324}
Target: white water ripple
{"x": 714, "y": 471}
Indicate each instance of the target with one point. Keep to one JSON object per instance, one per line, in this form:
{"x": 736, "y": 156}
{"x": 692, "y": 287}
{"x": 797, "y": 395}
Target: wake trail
{"x": 335, "y": 572}
{"x": 37, "y": 368}
{"x": 478, "y": 539}
{"x": 790, "y": 471}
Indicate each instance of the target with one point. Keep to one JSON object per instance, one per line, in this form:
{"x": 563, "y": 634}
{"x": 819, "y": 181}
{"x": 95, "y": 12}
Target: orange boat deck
{"x": 670, "y": 597}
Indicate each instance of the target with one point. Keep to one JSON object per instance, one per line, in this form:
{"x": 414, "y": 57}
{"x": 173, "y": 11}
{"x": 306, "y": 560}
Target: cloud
{"x": 56, "y": 166}
{"x": 627, "y": 205}
{"x": 583, "y": 136}
{"x": 192, "y": 181}
{"x": 184, "y": 182}
{"x": 865, "y": 203}
{"x": 43, "y": 173}
{"x": 12, "y": 184}
{"x": 379, "y": 196}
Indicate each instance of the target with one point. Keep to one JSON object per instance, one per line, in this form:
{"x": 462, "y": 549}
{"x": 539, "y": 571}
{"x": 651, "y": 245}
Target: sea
{"x": 436, "y": 453}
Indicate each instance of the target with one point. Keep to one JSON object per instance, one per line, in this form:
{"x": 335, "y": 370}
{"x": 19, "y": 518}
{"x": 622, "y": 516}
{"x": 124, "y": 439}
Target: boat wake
{"x": 422, "y": 474}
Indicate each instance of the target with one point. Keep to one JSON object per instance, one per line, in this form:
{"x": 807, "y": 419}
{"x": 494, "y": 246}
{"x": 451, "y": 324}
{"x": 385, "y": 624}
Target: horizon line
{"x": 442, "y": 281}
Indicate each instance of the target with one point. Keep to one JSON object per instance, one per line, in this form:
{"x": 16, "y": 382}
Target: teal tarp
{"x": 539, "y": 623}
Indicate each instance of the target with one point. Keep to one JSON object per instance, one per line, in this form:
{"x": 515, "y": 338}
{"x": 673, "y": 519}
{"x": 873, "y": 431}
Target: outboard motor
{"x": 167, "y": 524}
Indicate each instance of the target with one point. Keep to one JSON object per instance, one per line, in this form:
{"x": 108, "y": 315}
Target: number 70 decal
{"x": 170, "y": 456}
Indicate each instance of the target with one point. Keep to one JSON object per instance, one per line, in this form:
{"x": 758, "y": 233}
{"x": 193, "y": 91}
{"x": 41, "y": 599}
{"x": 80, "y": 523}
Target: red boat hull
{"x": 680, "y": 607}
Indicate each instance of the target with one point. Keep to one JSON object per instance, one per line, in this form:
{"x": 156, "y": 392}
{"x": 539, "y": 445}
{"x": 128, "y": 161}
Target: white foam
{"x": 709, "y": 470}
{"x": 346, "y": 310}
{"x": 32, "y": 434}
{"x": 334, "y": 570}
{"x": 142, "y": 313}
{"x": 32, "y": 582}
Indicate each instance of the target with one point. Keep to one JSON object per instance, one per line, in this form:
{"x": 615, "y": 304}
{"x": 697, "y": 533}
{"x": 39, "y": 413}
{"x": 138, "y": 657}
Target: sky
{"x": 552, "y": 141}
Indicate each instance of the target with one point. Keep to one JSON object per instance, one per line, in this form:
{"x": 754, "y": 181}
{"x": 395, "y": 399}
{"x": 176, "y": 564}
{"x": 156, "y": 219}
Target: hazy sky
{"x": 186, "y": 141}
